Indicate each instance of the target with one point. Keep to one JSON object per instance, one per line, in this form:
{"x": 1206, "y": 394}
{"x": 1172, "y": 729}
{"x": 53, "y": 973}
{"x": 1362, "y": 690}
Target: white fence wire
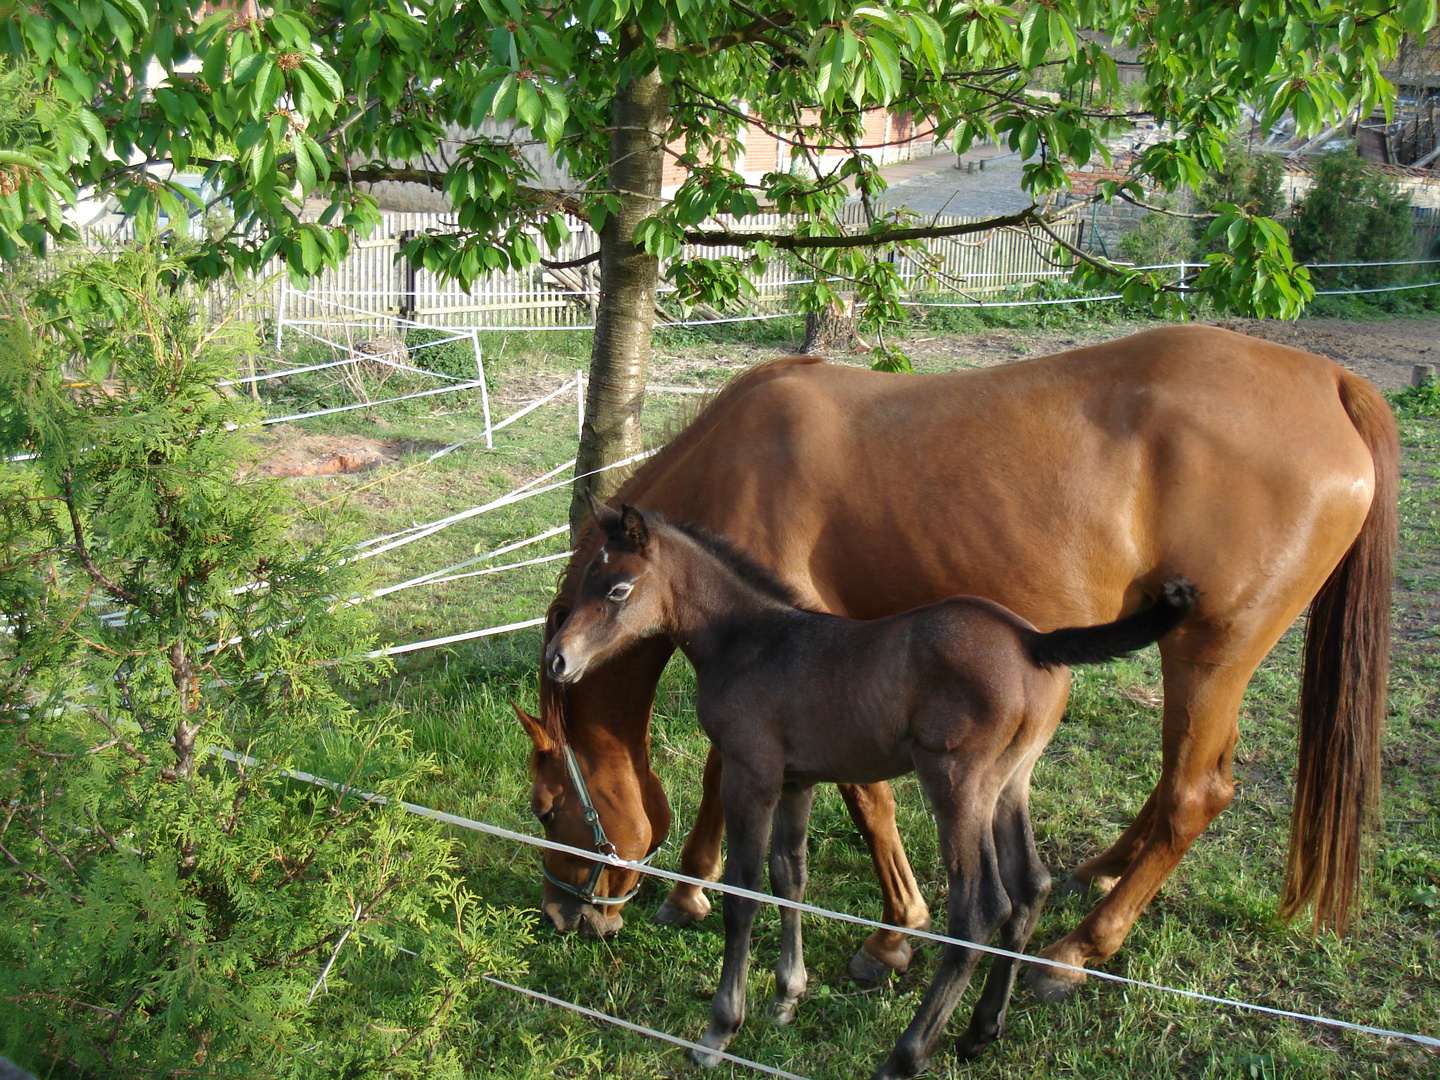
{"x": 615, "y": 862}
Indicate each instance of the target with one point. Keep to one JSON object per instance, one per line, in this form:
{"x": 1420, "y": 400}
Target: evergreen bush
{"x": 167, "y": 910}
{"x": 1353, "y": 214}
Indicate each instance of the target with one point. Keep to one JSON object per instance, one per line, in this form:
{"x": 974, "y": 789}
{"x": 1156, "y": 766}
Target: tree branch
{"x": 754, "y": 31}
{"x": 791, "y": 242}
{"x": 583, "y": 260}
{"x": 83, "y": 553}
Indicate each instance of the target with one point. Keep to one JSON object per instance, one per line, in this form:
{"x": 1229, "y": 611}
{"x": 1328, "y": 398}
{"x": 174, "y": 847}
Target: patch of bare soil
{"x": 1384, "y": 351}
{"x": 285, "y": 451}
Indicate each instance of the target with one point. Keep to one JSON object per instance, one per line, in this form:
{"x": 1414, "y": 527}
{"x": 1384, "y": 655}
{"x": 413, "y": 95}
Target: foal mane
{"x": 555, "y": 697}
{"x": 740, "y": 564}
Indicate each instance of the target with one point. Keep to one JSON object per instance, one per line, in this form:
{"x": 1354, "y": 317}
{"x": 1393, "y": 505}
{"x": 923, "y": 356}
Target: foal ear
{"x": 535, "y": 729}
{"x": 604, "y": 516}
{"x": 632, "y": 521}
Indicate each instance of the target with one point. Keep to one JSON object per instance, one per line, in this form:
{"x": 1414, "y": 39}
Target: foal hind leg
{"x": 978, "y": 905}
{"x": 787, "y": 880}
{"x": 872, "y": 808}
{"x": 1027, "y": 883}
{"x": 1198, "y": 742}
{"x": 700, "y": 857}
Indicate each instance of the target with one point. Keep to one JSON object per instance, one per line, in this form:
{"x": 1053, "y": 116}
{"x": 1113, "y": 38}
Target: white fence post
{"x": 579, "y": 403}
{"x": 280, "y": 312}
{"x": 484, "y": 390}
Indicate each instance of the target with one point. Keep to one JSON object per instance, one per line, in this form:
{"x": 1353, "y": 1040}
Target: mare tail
{"x": 1097, "y": 644}
{"x": 1342, "y": 691}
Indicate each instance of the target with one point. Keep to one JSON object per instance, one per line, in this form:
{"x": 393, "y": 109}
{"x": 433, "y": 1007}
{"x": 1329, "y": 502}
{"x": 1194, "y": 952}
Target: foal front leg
{"x": 787, "y": 879}
{"x": 749, "y": 811}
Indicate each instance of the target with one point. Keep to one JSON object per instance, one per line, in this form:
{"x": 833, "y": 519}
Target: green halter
{"x": 602, "y": 845}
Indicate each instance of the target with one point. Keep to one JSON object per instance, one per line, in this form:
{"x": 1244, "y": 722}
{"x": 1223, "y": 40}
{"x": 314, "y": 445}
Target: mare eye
{"x": 621, "y": 592}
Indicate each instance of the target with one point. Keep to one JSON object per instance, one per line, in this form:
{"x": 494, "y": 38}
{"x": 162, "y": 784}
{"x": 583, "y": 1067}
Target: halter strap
{"x": 601, "y": 841}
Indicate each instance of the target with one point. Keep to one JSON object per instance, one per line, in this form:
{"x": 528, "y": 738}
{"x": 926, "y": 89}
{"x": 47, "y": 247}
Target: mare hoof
{"x": 672, "y": 914}
{"x": 864, "y": 968}
{"x": 1050, "y": 985}
{"x": 783, "y": 1012}
{"x": 1088, "y": 888}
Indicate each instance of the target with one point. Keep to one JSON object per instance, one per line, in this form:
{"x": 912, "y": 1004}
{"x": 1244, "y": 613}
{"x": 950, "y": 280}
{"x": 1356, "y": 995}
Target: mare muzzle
{"x": 586, "y": 893}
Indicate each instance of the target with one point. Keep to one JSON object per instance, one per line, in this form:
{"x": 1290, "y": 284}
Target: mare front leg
{"x": 1027, "y": 883}
{"x": 750, "y": 799}
{"x": 872, "y": 808}
{"x": 787, "y": 880}
{"x": 978, "y": 904}
{"x": 700, "y": 857}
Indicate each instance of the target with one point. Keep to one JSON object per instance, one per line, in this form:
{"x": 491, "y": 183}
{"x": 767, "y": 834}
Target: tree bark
{"x": 620, "y": 356}
{"x": 832, "y": 330}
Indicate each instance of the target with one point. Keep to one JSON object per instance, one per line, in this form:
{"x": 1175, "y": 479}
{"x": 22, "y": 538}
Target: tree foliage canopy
{"x": 313, "y": 98}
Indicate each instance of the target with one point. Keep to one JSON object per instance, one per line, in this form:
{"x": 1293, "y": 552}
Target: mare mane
{"x": 554, "y": 697}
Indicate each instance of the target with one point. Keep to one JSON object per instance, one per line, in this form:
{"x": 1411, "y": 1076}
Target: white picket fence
{"x": 372, "y": 287}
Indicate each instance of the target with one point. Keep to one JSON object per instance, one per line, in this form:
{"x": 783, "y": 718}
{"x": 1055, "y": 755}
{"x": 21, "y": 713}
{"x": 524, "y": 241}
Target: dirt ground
{"x": 1384, "y": 351}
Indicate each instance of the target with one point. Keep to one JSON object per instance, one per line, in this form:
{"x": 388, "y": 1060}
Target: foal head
{"x": 622, "y": 597}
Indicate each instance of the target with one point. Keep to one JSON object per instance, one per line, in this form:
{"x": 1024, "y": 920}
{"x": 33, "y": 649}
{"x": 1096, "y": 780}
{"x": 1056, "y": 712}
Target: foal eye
{"x": 621, "y": 592}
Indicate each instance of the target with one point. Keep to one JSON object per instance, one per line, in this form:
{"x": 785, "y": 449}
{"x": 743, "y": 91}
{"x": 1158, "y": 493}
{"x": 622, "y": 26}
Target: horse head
{"x": 593, "y": 787}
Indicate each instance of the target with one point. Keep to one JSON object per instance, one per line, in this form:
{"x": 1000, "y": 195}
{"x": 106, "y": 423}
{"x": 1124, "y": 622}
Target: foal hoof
{"x": 707, "y": 1058}
{"x": 783, "y": 1012}
{"x": 865, "y": 969}
{"x": 673, "y": 914}
{"x": 1050, "y": 985}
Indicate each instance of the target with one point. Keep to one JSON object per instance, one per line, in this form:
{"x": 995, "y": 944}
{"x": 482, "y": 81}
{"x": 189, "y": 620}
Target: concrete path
{"x": 986, "y": 185}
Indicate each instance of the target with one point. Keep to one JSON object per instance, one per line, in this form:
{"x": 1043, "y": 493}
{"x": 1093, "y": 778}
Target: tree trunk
{"x": 620, "y": 356}
{"x": 832, "y": 330}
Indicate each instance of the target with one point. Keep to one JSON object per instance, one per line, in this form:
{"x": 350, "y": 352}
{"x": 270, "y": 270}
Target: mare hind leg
{"x": 1202, "y": 703}
{"x": 1100, "y": 874}
{"x": 978, "y": 903}
{"x": 1027, "y": 883}
{"x": 787, "y": 880}
{"x": 700, "y": 857}
{"x": 872, "y": 808}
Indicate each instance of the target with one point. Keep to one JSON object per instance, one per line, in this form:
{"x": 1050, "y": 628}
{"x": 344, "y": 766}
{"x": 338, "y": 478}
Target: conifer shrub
{"x": 1353, "y": 214}
{"x": 171, "y": 902}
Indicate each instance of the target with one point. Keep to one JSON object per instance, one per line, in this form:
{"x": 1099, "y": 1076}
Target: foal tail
{"x": 1097, "y": 644}
{"x": 1342, "y": 691}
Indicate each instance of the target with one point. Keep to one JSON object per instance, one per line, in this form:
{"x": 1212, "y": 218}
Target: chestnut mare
{"x": 963, "y": 693}
{"x": 1065, "y": 488}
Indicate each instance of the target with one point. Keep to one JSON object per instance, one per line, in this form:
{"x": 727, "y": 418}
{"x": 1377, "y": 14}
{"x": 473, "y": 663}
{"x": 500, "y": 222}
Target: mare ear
{"x": 632, "y": 521}
{"x": 536, "y": 730}
{"x": 604, "y": 516}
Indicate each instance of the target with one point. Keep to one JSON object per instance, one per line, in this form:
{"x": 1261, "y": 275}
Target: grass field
{"x": 1212, "y": 929}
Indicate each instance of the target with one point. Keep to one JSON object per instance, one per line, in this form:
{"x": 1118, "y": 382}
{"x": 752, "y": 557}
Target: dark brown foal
{"x": 964, "y": 693}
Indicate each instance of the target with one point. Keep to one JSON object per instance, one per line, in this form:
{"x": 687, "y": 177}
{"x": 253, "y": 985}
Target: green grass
{"x": 1212, "y": 929}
